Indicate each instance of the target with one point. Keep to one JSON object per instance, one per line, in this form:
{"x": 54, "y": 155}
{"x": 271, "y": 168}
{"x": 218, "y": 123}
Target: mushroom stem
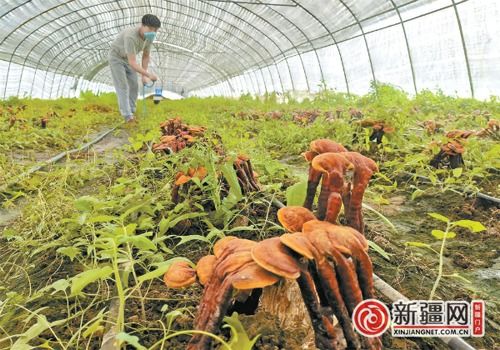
{"x": 354, "y": 214}
{"x": 249, "y": 169}
{"x": 242, "y": 179}
{"x": 364, "y": 271}
{"x": 332, "y": 182}
{"x": 377, "y": 136}
{"x": 328, "y": 280}
{"x": 210, "y": 317}
{"x": 333, "y": 207}
{"x": 312, "y": 185}
{"x": 324, "y": 332}
{"x": 348, "y": 281}
{"x": 350, "y": 289}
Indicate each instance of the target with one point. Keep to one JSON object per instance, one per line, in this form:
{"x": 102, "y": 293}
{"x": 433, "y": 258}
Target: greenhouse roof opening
{"x": 228, "y": 47}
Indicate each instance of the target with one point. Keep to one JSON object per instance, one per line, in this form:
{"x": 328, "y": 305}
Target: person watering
{"x": 123, "y": 64}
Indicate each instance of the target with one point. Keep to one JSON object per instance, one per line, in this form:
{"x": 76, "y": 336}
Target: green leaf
{"x": 163, "y": 226}
{"x": 379, "y": 250}
{"x": 70, "y": 252}
{"x": 162, "y": 268}
{"x": 33, "y": 332}
{"x": 230, "y": 175}
{"x": 133, "y": 209}
{"x": 101, "y": 218}
{"x": 60, "y": 285}
{"x": 239, "y": 337}
{"x": 296, "y": 194}
{"x": 172, "y": 223}
{"x": 128, "y": 230}
{"x": 457, "y": 172}
{"x": 171, "y": 316}
{"x": 131, "y": 340}
{"x": 85, "y": 203}
{"x": 93, "y": 328}
{"x": 439, "y": 217}
{"x": 440, "y": 234}
{"x": 474, "y": 226}
{"x": 137, "y": 145}
{"x": 146, "y": 223}
{"x": 83, "y": 217}
{"x": 416, "y": 194}
{"x": 185, "y": 239}
{"x": 85, "y": 278}
{"x": 141, "y": 242}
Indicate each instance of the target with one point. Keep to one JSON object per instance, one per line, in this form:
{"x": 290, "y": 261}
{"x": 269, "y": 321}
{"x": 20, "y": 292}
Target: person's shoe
{"x": 130, "y": 119}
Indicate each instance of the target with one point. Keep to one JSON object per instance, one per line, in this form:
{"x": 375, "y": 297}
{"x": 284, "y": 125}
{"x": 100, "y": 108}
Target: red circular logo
{"x": 371, "y": 318}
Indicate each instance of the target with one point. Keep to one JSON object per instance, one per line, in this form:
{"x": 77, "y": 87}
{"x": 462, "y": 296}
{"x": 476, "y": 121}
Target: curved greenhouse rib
{"x": 464, "y": 47}
{"x": 396, "y": 8}
{"x": 270, "y": 57}
{"x": 262, "y": 58}
{"x": 84, "y": 19}
{"x": 364, "y": 36}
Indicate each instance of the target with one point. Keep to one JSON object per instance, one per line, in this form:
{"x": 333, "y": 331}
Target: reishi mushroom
{"x": 179, "y": 275}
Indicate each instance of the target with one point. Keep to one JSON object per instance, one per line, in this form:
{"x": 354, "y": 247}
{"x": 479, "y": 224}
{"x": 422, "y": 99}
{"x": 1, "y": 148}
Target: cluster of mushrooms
{"x": 328, "y": 261}
{"x": 247, "y": 178}
{"x": 258, "y": 115}
{"x": 12, "y": 114}
{"x": 451, "y": 153}
{"x": 379, "y": 129}
{"x": 176, "y": 136}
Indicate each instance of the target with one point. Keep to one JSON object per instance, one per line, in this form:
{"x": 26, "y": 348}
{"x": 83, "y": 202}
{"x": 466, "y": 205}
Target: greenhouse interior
{"x": 249, "y": 174}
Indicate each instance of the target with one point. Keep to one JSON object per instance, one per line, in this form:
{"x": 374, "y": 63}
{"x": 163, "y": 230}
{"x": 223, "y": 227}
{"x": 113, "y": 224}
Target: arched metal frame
{"x": 246, "y": 38}
{"x": 66, "y": 37}
{"x": 94, "y": 34}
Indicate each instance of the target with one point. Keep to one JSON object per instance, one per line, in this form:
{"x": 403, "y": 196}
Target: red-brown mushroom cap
{"x": 360, "y": 161}
{"x": 332, "y": 162}
{"x": 233, "y": 262}
{"x": 252, "y": 276}
{"x": 460, "y": 134}
{"x": 182, "y": 178}
{"x": 346, "y": 238}
{"x": 160, "y": 146}
{"x": 309, "y": 155}
{"x": 205, "y": 268}
{"x": 275, "y": 257}
{"x": 221, "y": 244}
{"x": 453, "y": 148}
{"x": 168, "y": 138}
{"x": 179, "y": 275}
{"x": 299, "y": 243}
{"x": 325, "y": 145}
{"x": 293, "y": 217}
{"x": 367, "y": 122}
{"x": 230, "y": 244}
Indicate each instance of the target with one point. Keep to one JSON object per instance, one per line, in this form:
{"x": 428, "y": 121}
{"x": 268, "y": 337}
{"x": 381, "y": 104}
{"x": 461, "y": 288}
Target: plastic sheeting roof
{"x": 49, "y": 48}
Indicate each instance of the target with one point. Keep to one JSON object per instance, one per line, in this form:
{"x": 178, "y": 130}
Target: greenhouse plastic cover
{"x": 54, "y": 48}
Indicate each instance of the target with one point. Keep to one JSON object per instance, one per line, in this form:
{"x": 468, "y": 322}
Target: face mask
{"x": 149, "y": 36}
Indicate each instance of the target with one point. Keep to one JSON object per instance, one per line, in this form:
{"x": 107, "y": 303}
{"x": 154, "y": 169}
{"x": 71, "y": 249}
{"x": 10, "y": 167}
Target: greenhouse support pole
{"x": 466, "y": 56}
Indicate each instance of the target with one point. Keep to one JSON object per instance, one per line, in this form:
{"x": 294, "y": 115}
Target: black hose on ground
{"x": 55, "y": 159}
